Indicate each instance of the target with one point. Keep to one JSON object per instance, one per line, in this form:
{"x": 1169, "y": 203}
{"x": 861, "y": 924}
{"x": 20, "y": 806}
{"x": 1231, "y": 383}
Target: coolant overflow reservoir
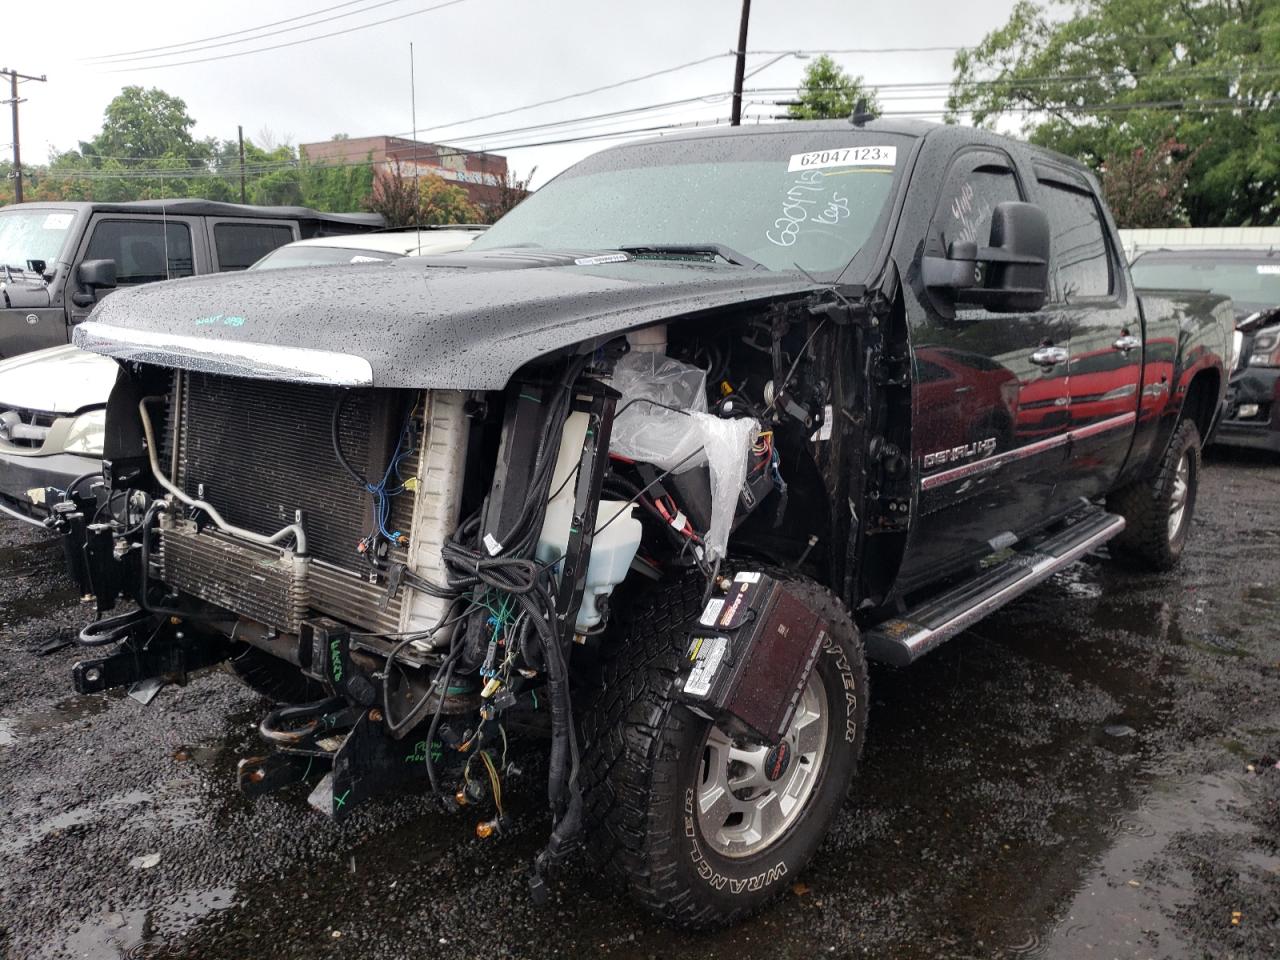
{"x": 612, "y": 551}
{"x": 613, "y": 548}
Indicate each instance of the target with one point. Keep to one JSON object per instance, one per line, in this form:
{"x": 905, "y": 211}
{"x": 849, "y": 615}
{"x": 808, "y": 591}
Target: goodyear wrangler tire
{"x": 657, "y": 823}
{"x": 1158, "y": 511}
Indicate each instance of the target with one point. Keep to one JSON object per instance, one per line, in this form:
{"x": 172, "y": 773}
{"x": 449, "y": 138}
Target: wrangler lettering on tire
{"x": 701, "y": 829}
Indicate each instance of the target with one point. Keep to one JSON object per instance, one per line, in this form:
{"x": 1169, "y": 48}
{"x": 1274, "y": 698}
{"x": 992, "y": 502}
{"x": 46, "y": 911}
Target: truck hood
{"x": 465, "y": 321}
{"x": 57, "y": 380}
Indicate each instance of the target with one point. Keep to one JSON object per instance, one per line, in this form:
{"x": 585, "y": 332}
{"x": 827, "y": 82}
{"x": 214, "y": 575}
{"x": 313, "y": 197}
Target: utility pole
{"x": 14, "y": 77}
{"x": 240, "y": 134}
{"x": 740, "y": 66}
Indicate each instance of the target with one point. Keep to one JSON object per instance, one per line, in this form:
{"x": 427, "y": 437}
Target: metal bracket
{"x": 366, "y": 765}
{"x": 169, "y": 658}
{"x": 591, "y": 471}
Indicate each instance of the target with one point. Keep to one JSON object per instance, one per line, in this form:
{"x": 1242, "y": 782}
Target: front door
{"x": 145, "y": 249}
{"x": 991, "y": 397}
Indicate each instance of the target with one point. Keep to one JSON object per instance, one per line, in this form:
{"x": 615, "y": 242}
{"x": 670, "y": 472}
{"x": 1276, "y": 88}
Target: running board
{"x": 903, "y": 639}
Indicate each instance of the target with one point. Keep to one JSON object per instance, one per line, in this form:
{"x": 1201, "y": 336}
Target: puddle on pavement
{"x": 13, "y": 729}
{"x": 146, "y": 932}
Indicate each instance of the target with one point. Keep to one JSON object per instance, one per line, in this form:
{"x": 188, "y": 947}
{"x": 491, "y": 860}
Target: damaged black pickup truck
{"x": 649, "y": 471}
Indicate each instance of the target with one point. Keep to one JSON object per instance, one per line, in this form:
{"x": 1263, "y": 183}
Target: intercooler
{"x": 261, "y": 451}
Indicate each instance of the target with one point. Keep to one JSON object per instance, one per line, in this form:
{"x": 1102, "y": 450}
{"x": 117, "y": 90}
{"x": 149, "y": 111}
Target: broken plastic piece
{"x": 662, "y": 420}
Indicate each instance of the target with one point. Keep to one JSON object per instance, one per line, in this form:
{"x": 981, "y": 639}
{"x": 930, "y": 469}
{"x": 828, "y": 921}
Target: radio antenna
{"x": 413, "y": 110}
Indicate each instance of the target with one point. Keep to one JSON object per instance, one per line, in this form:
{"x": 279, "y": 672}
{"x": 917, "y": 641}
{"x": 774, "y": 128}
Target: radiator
{"x": 260, "y": 451}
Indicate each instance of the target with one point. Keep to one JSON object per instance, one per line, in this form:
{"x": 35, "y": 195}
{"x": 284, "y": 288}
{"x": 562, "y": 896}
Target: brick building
{"x": 477, "y": 173}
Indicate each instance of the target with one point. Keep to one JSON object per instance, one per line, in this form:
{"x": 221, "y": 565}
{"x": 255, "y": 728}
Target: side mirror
{"x": 92, "y": 276}
{"x": 97, "y": 274}
{"x": 1009, "y": 276}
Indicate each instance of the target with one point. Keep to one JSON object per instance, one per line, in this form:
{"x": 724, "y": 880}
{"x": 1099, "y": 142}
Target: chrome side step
{"x": 901, "y": 640}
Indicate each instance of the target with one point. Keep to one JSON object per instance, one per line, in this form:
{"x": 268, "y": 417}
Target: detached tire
{"x": 1158, "y": 511}
{"x": 693, "y": 825}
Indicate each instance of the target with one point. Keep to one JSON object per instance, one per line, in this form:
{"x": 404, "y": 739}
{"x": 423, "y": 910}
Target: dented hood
{"x": 462, "y": 321}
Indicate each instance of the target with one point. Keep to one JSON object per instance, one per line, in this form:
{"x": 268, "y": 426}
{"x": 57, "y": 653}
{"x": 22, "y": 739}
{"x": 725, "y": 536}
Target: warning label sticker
{"x": 708, "y": 655}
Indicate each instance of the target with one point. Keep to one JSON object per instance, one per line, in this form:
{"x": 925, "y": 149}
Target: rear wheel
{"x": 704, "y": 830}
{"x": 1158, "y": 511}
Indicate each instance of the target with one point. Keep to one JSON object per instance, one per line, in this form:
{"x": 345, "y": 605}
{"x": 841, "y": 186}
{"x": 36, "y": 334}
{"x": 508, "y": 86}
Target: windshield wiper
{"x": 728, "y": 254}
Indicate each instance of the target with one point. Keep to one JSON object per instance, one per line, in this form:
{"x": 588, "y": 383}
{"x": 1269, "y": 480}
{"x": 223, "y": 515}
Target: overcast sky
{"x": 473, "y": 57}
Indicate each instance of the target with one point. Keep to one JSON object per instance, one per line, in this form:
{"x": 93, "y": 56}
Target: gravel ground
{"x": 1092, "y": 772}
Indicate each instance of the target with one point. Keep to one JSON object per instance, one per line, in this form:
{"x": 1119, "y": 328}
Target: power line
{"x": 221, "y": 36}
{"x": 550, "y": 124}
{"x": 179, "y": 174}
{"x": 264, "y": 168}
{"x": 581, "y": 93}
{"x": 292, "y": 43}
{"x": 261, "y": 36}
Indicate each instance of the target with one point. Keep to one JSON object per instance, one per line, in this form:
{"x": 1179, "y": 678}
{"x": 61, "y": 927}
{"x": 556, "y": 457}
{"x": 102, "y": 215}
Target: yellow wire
{"x": 494, "y": 781}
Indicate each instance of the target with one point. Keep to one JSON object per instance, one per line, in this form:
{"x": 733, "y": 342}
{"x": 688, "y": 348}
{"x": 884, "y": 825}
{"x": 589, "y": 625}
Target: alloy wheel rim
{"x": 1178, "y": 501}
{"x": 740, "y": 810}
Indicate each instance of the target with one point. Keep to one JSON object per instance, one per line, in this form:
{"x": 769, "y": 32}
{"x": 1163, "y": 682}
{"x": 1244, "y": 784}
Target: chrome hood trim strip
{"x": 225, "y": 357}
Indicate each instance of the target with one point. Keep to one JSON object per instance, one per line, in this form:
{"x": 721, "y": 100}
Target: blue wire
{"x": 381, "y": 492}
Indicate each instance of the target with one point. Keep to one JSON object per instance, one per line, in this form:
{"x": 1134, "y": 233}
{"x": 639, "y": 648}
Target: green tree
{"x": 1114, "y": 76}
{"x": 339, "y": 188}
{"x": 146, "y": 125}
{"x": 828, "y": 92}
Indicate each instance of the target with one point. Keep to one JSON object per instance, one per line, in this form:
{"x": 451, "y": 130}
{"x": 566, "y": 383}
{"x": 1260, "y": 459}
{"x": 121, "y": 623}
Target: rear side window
{"x": 144, "y": 250}
{"x": 1079, "y": 246}
{"x": 973, "y": 189}
{"x": 241, "y": 244}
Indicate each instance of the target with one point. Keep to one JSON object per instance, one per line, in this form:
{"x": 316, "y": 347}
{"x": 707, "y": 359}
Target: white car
{"x": 53, "y": 402}
{"x": 370, "y": 247}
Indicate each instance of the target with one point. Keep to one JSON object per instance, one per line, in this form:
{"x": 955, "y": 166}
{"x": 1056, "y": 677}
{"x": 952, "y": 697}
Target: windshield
{"x": 1254, "y": 283}
{"x": 320, "y": 257}
{"x": 33, "y": 235}
{"x": 782, "y": 199}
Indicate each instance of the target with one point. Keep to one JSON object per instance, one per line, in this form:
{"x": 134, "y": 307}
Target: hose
{"x": 292, "y": 530}
{"x": 102, "y": 633}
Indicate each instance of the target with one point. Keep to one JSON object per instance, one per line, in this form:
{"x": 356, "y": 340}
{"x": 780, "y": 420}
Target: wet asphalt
{"x": 1092, "y": 772}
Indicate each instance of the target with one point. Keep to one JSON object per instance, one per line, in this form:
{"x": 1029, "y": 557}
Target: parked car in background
{"x": 1251, "y": 411}
{"x": 372, "y": 247}
{"x": 57, "y": 260}
{"x": 52, "y": 401}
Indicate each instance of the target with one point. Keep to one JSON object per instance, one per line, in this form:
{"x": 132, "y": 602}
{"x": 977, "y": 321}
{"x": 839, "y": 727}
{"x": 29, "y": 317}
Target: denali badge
{"x": 980, "y": 448}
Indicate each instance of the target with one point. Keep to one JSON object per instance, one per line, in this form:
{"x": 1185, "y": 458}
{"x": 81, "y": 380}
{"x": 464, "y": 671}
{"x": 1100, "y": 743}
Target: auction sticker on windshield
{"x": 844, "y": 157}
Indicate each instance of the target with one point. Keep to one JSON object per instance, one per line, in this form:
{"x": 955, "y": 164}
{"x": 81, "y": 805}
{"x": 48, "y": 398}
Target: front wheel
{"x": 704, "y": 830}
{"x": 1158, "y": 511}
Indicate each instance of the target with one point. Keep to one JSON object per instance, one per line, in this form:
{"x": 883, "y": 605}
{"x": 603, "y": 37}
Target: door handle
{"x": 1049, "y": 356}
{"x": 1127, "y": 342}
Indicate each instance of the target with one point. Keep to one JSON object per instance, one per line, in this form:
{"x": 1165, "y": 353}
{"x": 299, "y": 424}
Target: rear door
{"x": 990, "y": 401}
{"x": 237, "y": 244}
{"x": 1092, "y": 299}
{"x": 145, "y": 249}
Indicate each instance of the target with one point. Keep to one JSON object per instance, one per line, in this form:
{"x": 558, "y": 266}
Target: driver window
{"x": 972, "y": 190}
{"x": 144, "y": 250}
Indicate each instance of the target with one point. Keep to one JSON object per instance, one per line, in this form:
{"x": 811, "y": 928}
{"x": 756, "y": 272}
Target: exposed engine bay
{"x": 417, "y": 577}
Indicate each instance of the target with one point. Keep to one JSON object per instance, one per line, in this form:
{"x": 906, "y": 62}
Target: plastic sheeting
{"x": 662, "y": 420}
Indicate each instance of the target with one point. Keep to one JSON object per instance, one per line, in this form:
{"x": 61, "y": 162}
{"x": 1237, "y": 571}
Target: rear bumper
{"x": 1258, "y": 386}
{"x": 20, "y": 474}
